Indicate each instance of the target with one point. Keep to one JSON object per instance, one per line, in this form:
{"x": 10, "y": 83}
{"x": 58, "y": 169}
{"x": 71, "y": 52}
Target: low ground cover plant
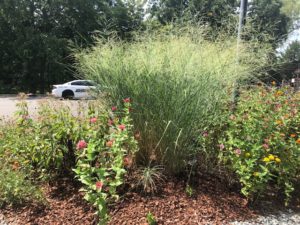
{"x": 261, "y": 143}
{"x": 15, "y": 188}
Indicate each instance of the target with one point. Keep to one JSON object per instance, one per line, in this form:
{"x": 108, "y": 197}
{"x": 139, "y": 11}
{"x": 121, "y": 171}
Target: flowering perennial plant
{"x": 262, "y": 140}
{"x": 102, "y": 161}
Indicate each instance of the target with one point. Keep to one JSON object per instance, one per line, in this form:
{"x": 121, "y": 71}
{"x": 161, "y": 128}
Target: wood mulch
{"x": 212, "y": 203}
{"x": 65, "y": 206}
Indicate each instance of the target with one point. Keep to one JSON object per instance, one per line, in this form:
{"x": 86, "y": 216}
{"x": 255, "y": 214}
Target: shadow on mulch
{"x": 212, "y": 203}
{"x": 65, "y": 206}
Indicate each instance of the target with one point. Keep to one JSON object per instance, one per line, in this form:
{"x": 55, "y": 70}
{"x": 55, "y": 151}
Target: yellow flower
{"x": 278, "y": 93}
{"x": 277, "y": 160}
{"x": 256, "y": 174}
{"x": 266, "y": 159}
{"x": 278, "y": 122}
{"x": 298, "y": 141}
{"x": 271, "y": 157}
{"x": 273, "y": 83}
{"x": 247, "y": 154}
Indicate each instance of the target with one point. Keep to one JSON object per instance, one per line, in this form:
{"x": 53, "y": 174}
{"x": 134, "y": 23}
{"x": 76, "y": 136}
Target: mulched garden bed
{"x": 212, "y": 203}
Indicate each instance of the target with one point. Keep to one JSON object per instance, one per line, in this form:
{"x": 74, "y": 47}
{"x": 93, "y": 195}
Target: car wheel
{"x": 68, "y": 94}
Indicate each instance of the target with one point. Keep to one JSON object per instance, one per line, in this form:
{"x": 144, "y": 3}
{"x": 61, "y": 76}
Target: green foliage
{"x": 262, "y": 140}
{"x": 49, "y": 144}
{"x": 101, "y": 162}
{"x": 189, "y": 190}
{"x": 45, "y": 145}
{"x": 291, "y": 8}
{"x": 215, "y": 13}
{"x": 266, "y": 22}
{"x": 35, "y": 36}
{"x": 292, "y": 53}
{"x": 148, "y": 178}
{"x": 151, "y": 219}
{"x": 15, "y": 188}
{"x": 179, "y": 83}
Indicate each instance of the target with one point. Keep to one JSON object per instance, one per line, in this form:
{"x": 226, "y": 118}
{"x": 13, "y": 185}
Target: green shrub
{"x": 178, "y": 84}
{"x": 262, "y": 143}
{"x": 44, "y": 145}
{"x": 16, "y": 189}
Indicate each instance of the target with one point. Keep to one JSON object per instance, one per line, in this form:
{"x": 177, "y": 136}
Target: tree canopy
{"x": 36, "y": 35}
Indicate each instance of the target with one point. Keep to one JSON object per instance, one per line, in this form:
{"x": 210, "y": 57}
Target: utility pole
{"x": 242, "y": 18}
{"x": 242, "y": 22}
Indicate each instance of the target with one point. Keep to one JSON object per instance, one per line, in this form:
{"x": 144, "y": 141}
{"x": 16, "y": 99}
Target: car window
{"x": 79, "y": 83}
{"x": 88, "y": 83}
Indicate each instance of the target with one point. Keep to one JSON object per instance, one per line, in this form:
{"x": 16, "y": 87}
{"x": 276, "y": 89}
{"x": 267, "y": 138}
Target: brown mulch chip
{"x": 212, "y": 204}
{"x": 66, "y": 206}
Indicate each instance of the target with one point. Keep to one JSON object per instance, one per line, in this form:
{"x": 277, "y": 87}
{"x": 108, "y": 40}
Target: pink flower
{"x": 110, "y": 122}
{"x": 265, "y": 146}
{"x": 114, "y": 108}
{"x": 238, "y": 151}
{"x": 221, "y": 146}
{"x": 205, "y": 134}
{"x": 26, "y": 117}
{"x": 122, "y": 127}
{"x": 99, "y": 185}
{"x": 81, "y": 144}
{"x": 126, "y": 100}
{"x": 93, "y": 120}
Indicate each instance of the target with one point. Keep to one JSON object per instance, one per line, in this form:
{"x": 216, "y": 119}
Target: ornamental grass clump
{"x": 178, "y": 83}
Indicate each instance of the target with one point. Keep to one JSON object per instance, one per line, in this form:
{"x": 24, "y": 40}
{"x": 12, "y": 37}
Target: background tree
{"x": 266, "y": 21}
{"x": 213, "y": 12}
{"x": 35, "y": 36}
{"x": 292, "y": 53}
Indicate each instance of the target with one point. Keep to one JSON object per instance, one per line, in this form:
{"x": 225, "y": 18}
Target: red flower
{"x": 99, "y": 185}
{"x": 114, "y": 108}
{"x": 127, "y": 161}
{"x": 81, "y": 144}
{"x": 122, "y": 127}
{"x": 109, "y": 143}
{"x": 126, "y": 100}
{"x": 93, "y": 120}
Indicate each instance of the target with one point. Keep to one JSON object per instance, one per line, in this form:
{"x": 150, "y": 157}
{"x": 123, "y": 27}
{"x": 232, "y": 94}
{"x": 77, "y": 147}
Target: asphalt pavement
{"x": 8, "y": 104}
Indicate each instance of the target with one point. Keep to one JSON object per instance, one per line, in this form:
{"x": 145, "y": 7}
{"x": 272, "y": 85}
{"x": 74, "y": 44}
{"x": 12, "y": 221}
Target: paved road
{"x": 8, "y": 104}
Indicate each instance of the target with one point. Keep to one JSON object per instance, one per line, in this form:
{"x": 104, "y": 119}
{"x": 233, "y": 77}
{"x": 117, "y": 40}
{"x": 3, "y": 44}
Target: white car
{"x": 74, "y": 89}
